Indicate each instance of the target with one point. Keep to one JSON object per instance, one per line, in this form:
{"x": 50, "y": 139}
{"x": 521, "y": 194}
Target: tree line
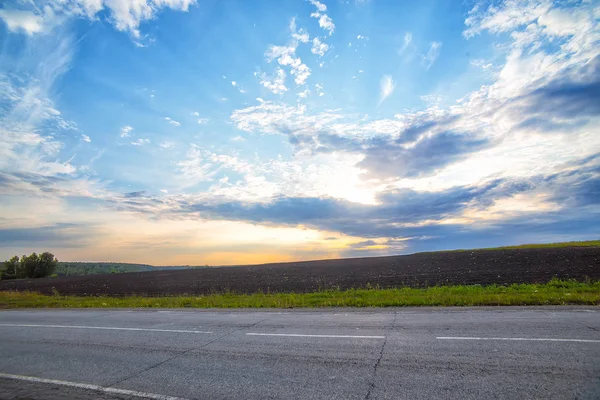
{"x": 31, "y": 266}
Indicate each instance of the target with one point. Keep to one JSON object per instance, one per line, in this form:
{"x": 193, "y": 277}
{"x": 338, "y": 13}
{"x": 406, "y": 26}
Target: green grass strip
{"x": 556, "y": 292}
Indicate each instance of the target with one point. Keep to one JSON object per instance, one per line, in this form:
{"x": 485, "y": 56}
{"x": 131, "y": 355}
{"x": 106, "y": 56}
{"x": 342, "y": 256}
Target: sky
{"x": 230, "y": 132}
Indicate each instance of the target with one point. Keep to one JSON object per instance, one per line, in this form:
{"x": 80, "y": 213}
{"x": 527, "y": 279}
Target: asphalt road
{"x": 408, "y": 353}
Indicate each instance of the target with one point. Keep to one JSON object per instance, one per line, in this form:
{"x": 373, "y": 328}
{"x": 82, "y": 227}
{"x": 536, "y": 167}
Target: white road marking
{"x": 315, "y": 336}
{"x": 113, "y": 328}
{"x": 87, "y": 386}
{"x": 518, "y": 339}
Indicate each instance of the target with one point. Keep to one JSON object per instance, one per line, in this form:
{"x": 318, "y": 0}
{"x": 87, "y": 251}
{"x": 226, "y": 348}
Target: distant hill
{"x": 91, "y": 268}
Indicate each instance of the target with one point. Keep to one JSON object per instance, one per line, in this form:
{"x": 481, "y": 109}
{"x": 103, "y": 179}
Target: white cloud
{"x": 233, "y": 83}
{"x": 479, "y": 63}
{"x": 386, "y": 87}
{"x": 275, "y": 83}
{"x": 304, "y": 94}
{"x": 140, "y": 142}
{"x": 299, "y": 35}
{"x": 167, "y": 144}
{"x": 123, "y": 15}
{"x": 238, "y": 138}
{"x": 22, "y": 21}
{"x": 196, "y": 114}
{"x": 325, "y": 21}
{"x": 286, "y": 56}
{"x": 126, "y": 131}
{"x": 320, "y": 6}
{"x": 432, "y": 55}
{"x": 361, "y": 37}
{"x": 203, "y": 120}
{"x": 86, "y": 138}
{"x": 172, "y": 121}
{"x": 319, "y": 47}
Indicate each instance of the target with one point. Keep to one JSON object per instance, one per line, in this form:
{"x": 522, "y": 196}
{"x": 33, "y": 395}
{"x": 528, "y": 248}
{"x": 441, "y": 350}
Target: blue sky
{"x": 176, "y": 131}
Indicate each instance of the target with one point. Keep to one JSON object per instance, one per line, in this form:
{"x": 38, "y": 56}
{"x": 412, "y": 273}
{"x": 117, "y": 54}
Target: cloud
{"x": 140, "y": 142}
{"x": 407, "y": 41}
{"x": 391, "y": 159}
{"x": 172, "y": 121}
{"x": 286, "y": 56}
{"x": 432, "y": 55}
{"x": 325, "y": 21}
{"x": 86, "y": 138}
{"x": 319, "y": 47}
{"x": 167, "y": 144}
{"x": 304, "y": 94}
{"x": 126, "y": 16}
{"x": 126, "y": 131}
{"x": 275, "y": 83}
{"x": 131, "y": 195}
{"x": 61, "y": 235}
{"x": 233, "y": 83}
{"x": 195, "y": 114}
{"x": 480, "y": 63}
{"x": 386, "y": 87}
{"x": 320, "y": 6}
{"x": 203, "y": 120}
{"x": 299, "y": 35}
{"x": 407, "y": 215}
{"x": 24, "y": 21}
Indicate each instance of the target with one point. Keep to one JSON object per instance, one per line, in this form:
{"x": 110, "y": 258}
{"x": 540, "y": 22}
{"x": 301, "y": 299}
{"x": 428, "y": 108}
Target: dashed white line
{"x": 113, "y": 328}
{"x": 88, "y": 386}
{"x": 315, "y": 336}
{"x": 518, "y": 339}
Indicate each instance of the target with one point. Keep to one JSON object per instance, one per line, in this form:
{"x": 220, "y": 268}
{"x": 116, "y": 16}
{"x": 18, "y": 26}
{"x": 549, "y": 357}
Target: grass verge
{"x": 556, "y": 292}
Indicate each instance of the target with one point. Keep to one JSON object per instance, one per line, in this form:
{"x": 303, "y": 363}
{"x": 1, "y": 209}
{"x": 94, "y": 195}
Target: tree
{"x": 32, "y": 266}
{"x": 11, "y": 269}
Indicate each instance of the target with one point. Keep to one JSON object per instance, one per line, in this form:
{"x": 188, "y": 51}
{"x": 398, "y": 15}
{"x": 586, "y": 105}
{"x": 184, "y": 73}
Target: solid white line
{"x": 519, "y": 339}
{"x": 316, "y": 336}
{"x": 91, "y": 387}
{"x": 113, "y": 328}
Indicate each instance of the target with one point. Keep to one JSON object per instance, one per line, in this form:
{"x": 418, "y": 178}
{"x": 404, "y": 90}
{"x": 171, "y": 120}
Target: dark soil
{"x": 416, "y": 270}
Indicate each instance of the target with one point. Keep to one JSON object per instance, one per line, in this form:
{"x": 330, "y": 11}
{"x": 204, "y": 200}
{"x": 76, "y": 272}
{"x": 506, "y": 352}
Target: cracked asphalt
{"x": 408, "y": 353}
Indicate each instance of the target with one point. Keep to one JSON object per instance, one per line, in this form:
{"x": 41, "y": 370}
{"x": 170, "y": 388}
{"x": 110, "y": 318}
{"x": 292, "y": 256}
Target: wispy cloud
{"x": 172, "y": 121}
{"x": 432, "y": 55}
{"x": 407, "y": 42}
{"x": 86, "y": 138}
{"x": 386, "y": 87}
{"x": 140, "y": 142}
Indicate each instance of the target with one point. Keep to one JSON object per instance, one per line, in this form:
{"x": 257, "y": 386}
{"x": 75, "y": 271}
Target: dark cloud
{"x": 387, "y": 158}
{"x": 63, "y": 235}
{"x": 131, "y": 195}
{"x": 567, "y": 100}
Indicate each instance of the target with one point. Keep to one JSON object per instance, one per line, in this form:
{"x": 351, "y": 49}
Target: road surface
{"x": 408, "y": 353}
